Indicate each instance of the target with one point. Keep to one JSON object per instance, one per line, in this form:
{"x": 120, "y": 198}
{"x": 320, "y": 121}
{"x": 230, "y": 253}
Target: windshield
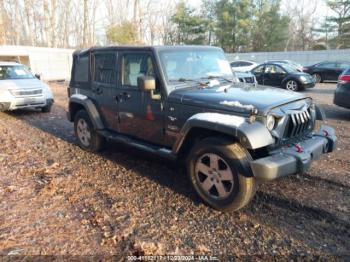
{"x": 194, "y": 64}
{"x": 14, "y": 72}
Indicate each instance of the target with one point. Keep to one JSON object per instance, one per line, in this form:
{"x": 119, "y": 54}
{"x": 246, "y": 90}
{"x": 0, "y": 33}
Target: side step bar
{"x": 160, "y": 151}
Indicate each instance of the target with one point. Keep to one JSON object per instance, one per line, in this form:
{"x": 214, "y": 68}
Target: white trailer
{"x": 50, "y": 63}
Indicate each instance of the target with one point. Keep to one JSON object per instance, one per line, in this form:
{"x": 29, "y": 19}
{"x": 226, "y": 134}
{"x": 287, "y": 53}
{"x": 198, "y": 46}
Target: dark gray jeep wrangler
{"x": 181, "y": 102}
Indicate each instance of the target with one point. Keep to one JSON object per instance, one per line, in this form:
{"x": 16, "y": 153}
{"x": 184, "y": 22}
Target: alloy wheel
{"x": 214, "y": 176}
{"x": 83, "y": 132}
{"x": 317, "y": 78}
{"x": 292, "y": 85}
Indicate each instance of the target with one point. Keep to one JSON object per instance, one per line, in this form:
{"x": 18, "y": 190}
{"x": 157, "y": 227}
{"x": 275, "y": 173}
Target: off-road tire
{"x": 96, "y": 142}
{"x": 237, "y": 158}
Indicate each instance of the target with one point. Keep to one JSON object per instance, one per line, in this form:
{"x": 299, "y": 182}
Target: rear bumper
{"x": 288, "y": 161}
{"x": 342, "y": 96}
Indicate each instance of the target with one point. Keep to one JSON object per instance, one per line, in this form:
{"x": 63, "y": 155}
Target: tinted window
{"x": 259, "y": 69}
{"x": 273, "y": 69}
{"x": 104, "y": 68}
{"x": 235, "y": 64}
{"x": 343, "y": 65}
{"x": 81, "y": 68}
{"x": 135, "y": 65}
{"x": 246, "y": 64}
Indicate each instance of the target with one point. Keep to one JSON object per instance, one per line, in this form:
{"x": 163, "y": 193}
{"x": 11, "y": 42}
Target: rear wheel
{"x": 292, "y": 85}
{"x": 220, "y": 173}
{"x": 87, "y": 136}
{"x": 317, "y": 78}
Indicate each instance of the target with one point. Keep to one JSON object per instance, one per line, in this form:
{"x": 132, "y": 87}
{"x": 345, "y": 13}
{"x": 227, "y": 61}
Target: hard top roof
{"x": 131, "y": 47}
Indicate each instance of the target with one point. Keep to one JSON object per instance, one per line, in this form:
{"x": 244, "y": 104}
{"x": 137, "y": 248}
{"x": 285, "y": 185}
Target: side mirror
{"x": 148, "y": 84}
{"x": 38, "y": 76}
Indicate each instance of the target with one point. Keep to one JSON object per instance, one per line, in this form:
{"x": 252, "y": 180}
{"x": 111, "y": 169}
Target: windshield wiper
{"x": 218, "y": 77}
{"x": 185, "y": 80}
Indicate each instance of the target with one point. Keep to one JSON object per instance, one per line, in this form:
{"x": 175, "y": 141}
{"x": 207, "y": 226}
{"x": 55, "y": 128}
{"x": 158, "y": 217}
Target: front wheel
{"x": 88, "y": 138}
{"x": 292, "y": 85}
{"x": 220, "y": 173}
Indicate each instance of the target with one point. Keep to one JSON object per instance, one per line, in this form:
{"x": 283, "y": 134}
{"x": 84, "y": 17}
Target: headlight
{"x": 303, "y": 78}
{"x": 270, "y": 122}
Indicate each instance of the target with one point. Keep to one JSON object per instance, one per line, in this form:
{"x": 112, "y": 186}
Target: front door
{"x": 274, "y": 75}
{"x": 139, "y": 115}
{"x": 259, "y": 74}
{"x": 103, "y": 86}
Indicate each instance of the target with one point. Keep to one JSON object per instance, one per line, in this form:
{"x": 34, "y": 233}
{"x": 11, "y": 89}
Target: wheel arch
{"x": 81, "y": 102}
{"x": 250, "y": 135}
{"x": 288, "y": 78}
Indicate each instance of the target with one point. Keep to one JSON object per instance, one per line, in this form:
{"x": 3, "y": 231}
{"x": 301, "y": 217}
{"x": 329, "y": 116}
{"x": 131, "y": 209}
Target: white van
{"x": 20, "y": 89}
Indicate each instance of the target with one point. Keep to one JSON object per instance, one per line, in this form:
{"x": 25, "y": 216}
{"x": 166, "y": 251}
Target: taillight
{"x": 344, "y": 78}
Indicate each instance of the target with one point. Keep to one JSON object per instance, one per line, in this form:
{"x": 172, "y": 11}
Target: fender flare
{"x": 90, "y": 108}
{"x": 320, "y": 113}
{"x": 251, "y": 135}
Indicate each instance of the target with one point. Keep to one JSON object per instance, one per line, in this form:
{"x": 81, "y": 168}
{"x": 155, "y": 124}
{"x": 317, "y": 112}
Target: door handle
{"x": 125, "y": 95}
{"x": 97, "y": 89}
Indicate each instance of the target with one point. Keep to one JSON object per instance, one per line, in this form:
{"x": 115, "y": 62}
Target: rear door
{"x": 139, "y": 115}
{"x": 328, "y": 70}
{"x": 103, "y": 86}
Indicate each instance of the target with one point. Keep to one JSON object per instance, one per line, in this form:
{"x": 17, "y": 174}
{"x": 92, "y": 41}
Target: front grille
{"x": 31, "y": 92}
{"x": 299, "y": 124}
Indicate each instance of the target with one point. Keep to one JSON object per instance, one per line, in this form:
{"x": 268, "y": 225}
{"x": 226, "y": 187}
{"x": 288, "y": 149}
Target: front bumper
{"x": 294, "y": 159}
{"x": 29, "y": 102}
{"x": 308, "y": 85}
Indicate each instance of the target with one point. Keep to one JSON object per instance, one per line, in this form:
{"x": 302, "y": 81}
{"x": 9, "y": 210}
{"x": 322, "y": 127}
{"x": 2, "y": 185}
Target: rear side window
{"x": 327, "y": 65}
{"x": 81, "y": 68}
{"x": 259, "y": 69}
{"x": 344, "y": 65}
{"x": 104, "y": 65}
{"x": 235, "y": 64}
{"x": 246, "y": 64}
{"x": 347, "y": 72}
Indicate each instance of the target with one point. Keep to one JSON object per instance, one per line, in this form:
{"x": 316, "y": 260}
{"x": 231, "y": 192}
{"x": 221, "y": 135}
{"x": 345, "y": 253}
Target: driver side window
{"x": 135, "y": 65}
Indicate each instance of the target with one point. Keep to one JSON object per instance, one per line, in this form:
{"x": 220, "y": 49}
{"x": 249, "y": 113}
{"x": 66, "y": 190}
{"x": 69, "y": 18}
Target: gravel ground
{"x": 57, "y": 199}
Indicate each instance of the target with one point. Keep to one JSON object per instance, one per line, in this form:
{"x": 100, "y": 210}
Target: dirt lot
{"x": 56, "y": 199}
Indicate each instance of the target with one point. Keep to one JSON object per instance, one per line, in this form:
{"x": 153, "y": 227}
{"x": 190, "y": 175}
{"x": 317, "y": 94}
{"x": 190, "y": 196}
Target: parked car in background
{"x": 328, "y": 70}
{"x": 242, "y": 66}
{"x": 342, "y": 93}
{"x": 292, "y": 64}
{"x": 246, "y": 77}
{"x": 20, "y": 89}
{"x": 283, "y": 76}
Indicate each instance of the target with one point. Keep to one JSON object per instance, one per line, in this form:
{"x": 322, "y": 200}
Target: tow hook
{"x": 298, "y": 148}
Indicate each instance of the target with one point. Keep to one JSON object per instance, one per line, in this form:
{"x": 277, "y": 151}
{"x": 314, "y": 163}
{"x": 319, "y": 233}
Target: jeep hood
{"x": 239, "y": 98}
